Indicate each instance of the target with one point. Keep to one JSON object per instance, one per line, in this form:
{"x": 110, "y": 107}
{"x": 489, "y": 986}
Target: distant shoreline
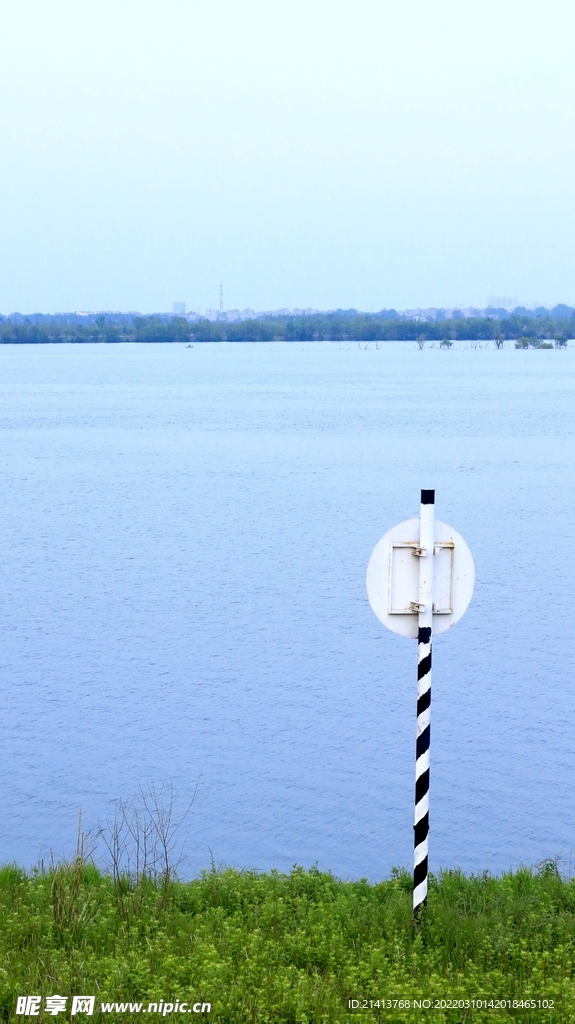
{"x": 430, "y": 343}
{"x": 358, "y": 328}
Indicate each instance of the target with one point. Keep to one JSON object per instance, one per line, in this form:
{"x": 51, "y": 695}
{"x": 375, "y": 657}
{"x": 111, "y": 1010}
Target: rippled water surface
{"x": 184, "y": 540}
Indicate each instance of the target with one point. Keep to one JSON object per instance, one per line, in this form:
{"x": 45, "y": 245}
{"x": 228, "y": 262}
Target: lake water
{"x": 185, "y": 534}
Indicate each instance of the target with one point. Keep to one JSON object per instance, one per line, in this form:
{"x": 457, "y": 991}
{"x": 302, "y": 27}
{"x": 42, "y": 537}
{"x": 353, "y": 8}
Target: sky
{"x": 324, "y": 153}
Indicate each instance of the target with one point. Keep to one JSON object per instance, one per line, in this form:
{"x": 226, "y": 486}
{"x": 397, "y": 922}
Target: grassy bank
{"x": 291, "y": 948}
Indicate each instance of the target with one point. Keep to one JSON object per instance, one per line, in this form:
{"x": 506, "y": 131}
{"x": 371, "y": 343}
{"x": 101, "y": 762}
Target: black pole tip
{"x": 428, "y": 497}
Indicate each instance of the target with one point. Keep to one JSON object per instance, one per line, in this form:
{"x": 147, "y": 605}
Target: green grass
{"x": 289, "y": 948}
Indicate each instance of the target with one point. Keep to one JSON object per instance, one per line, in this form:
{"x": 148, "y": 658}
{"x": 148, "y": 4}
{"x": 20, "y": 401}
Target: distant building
{"x": 503, "y": 301}
{"x": 232, "y": 314}
{"x": 179, "y": 308}
{"x": 416, "y": 314}
{"x": 212, "y": 314}
{"x": 248, "y": 314}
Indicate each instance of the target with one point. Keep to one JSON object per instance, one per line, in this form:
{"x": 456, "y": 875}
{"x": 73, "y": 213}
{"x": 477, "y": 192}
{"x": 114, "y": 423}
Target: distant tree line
{"x": 340, "y": 326}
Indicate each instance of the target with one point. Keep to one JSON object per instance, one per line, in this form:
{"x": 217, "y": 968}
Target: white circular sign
{"x": 393, "y": 578}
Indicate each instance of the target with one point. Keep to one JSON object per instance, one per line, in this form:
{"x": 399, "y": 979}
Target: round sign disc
{"x": 393, "y": 578}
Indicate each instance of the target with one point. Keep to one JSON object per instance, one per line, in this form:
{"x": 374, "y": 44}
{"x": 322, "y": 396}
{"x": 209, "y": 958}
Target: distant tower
{"x": 221, "y": 298}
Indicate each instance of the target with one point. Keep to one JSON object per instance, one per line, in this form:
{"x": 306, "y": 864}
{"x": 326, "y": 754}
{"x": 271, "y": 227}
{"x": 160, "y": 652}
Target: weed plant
{"x": 289, "y": 948}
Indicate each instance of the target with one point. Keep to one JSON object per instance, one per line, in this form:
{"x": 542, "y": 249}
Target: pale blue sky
{"x": 407, "y": 153}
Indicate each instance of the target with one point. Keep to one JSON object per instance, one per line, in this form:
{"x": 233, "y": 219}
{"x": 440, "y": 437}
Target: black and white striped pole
{"x": 420, "y": 581}
{"x": 424, "y": 642}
